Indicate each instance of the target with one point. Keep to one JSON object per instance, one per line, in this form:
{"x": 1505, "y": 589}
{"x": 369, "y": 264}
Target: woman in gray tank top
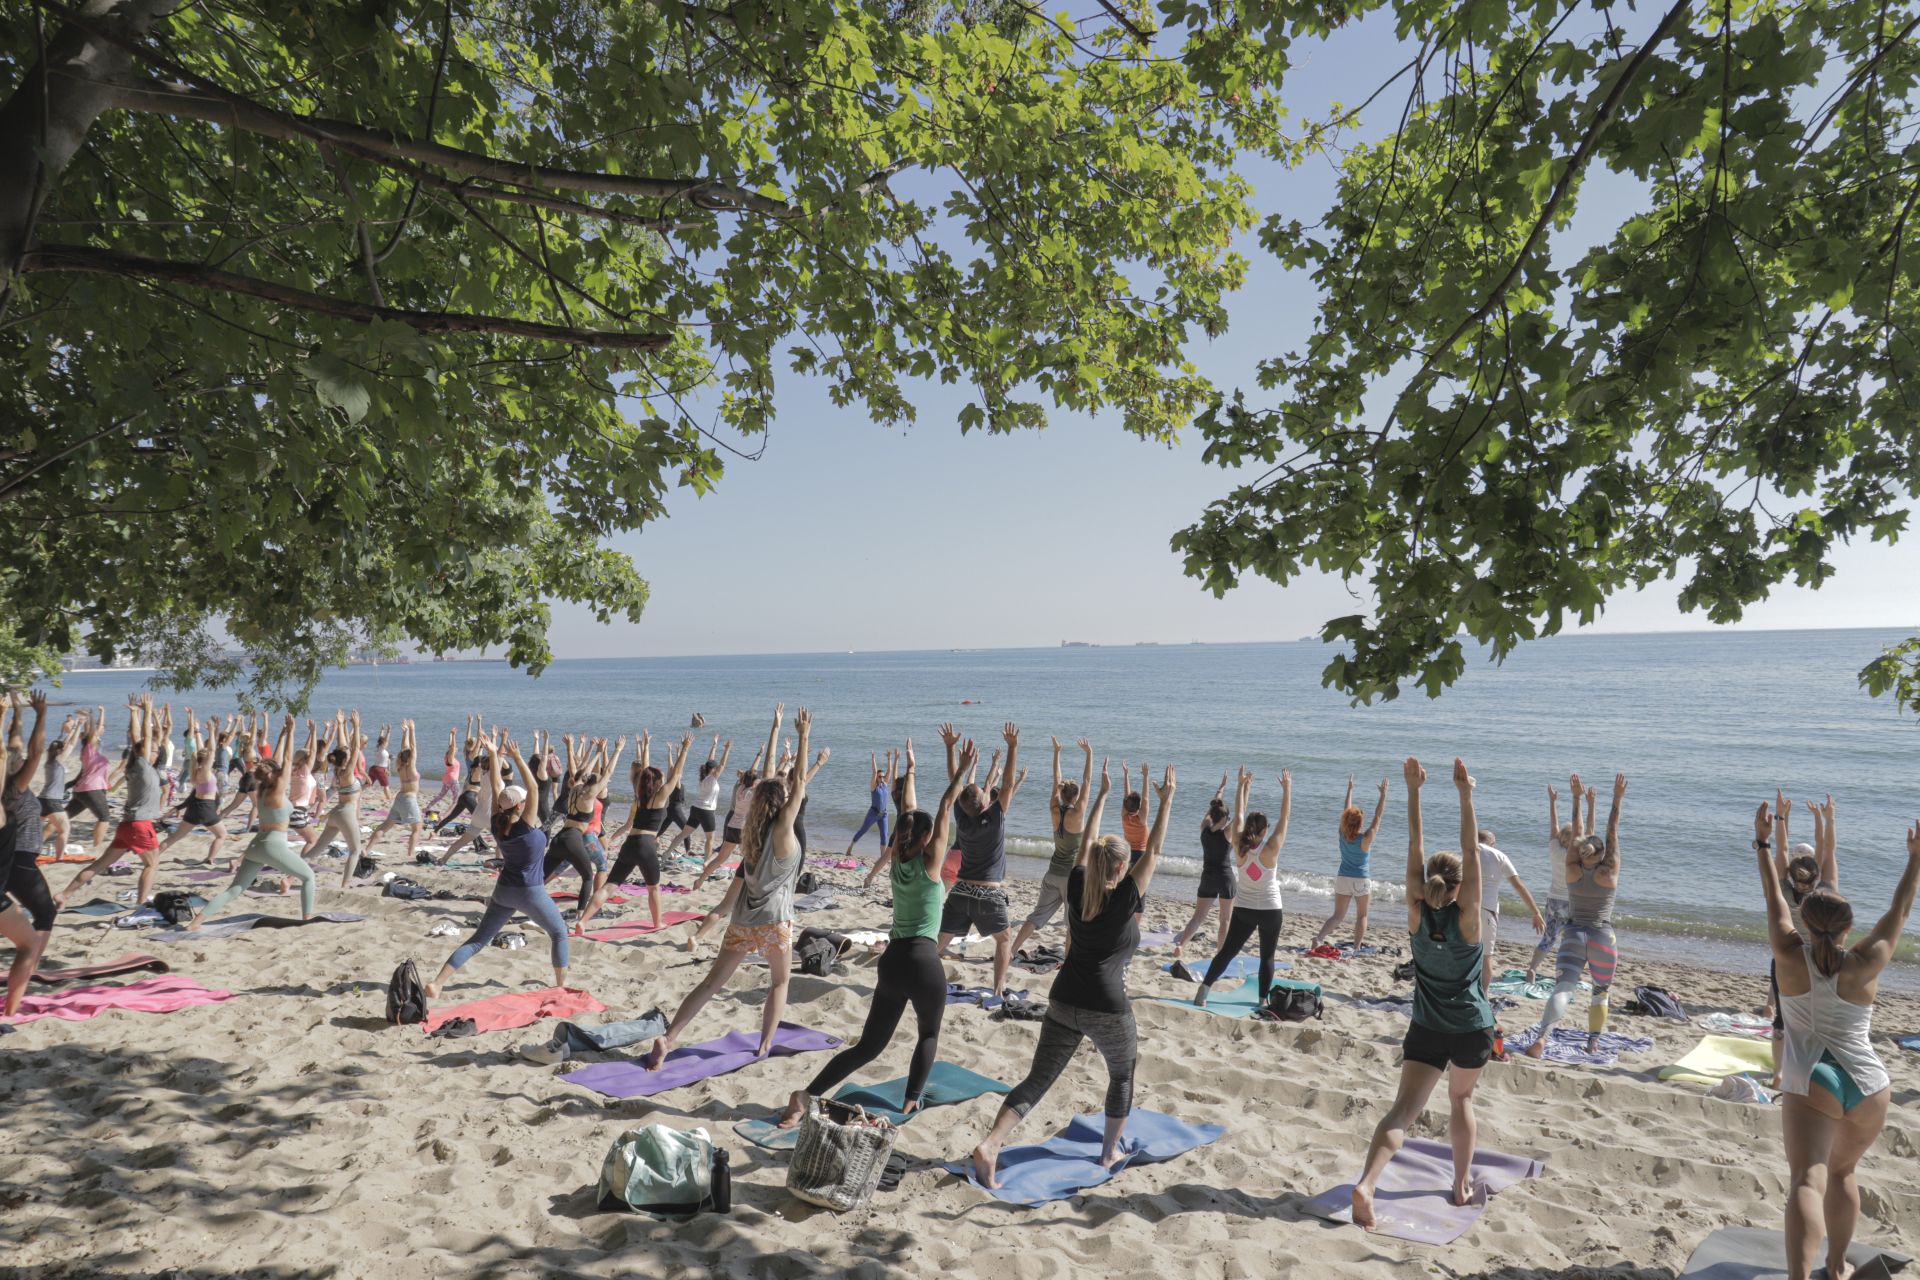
{"x": 762, "y": 919}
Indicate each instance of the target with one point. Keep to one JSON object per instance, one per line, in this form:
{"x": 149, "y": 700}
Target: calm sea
{"x": 1705, "y": 725}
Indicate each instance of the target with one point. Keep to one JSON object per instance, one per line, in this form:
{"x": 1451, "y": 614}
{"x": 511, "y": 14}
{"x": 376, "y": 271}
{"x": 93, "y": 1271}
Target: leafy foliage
{"x": 1496, "y": 427}
{"x": 373, "y": 321}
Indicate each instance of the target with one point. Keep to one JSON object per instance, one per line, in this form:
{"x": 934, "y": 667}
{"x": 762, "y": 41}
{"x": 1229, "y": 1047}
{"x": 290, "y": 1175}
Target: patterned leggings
{"x": 1061, "y": 1032}
{"x": 1583, "y": 948}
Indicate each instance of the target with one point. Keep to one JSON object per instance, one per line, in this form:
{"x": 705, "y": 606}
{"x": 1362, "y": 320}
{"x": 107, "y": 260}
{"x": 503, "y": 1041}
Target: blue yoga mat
{"x": 1223, "y": 1002}
{"x": 1238, "y": 967}
{"x": 1908, "y": 1042}
{"x": 1069, "y": 1162}
{"x": 946, "y": 1085}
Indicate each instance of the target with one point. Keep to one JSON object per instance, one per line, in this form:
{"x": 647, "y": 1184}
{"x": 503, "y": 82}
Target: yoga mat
{"x": 517, "y": 1009}
{"x": 1413, "y": 1200}
{"x": 1755, "y": 1253}
{"x": 1909, "y": 1042}
{"x": 1069, "y": 1162}
{"x": 628, "y": 930}
{"x": 1238, "y": 967}
{"x": 54, "y": 976}
{"x": 979, "y": 997}
{"x": 1513, "y": 983}
{"x": 234, "y": 925}
{"x": 1157, "y": 937}
{"x": 693, "y": 1062}
{"x": 1568, "y": 1044}
{"x": 1717, "y": 1057}
{"x": 946, "y": 1085}
{"x": 99, "y": 907}
{"x": 1222, "y": 1002}
{"x": 1735, "y": 1024}
{"x": 149, "y": 995}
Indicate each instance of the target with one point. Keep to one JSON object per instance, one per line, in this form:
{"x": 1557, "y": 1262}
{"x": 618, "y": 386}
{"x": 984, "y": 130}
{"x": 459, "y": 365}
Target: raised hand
{"x": 1383, "y": 788}
{"x": 1461, "y": 778}
{"x": 1762, "y": 824}
{"x": 802, "y": 719}
{"x": 1619, "y": 785}
{"x": 1286, "y": 781}
{"x": 1913, "y": 842}
{"x": 1166, "y": 787}
{"x": 1011, "y": 733}
{"x": 1413, "y": 773}
{"x": 1553, "y": 797}
{"x": 969, "y": 755}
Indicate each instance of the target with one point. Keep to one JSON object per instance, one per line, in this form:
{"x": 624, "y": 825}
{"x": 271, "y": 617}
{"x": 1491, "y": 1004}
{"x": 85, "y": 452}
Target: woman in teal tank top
{"x": 1452, "y": 1022}
{"x": 910, "y": 972}
{"x": 270, "y": 847}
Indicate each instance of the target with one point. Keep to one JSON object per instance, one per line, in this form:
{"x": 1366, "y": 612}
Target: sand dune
{"x": 292, "y": 1132}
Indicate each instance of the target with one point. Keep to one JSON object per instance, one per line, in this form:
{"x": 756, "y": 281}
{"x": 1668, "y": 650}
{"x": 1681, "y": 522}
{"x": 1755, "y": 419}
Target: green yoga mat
{"x": 1223, "y": 1002}
{"x": 1717, "y": 1057}
{"x": 946, "y": 1085}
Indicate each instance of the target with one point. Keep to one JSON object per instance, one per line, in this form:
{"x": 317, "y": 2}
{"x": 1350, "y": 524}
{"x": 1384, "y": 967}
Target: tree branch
{"x": 71, "y": 258}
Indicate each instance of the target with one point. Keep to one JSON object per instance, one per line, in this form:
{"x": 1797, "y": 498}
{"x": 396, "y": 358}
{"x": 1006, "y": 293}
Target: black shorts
{"x": 201, "y": 812}
{"x": 639, "y": 851}
{"x": 50, "y": 807}
{"x": 1468, "y": 1050}
{"x": 676, "y": 816}
{"x": 730, "y": 835}
{"x": 94, "y": 802}
{"x": 1218, "y": 882}
{"x": 26, "y": 886}
{"x": 701, "y": 820}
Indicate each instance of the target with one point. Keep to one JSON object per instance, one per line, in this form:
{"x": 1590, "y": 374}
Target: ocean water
{"x": 1705, "y": 726}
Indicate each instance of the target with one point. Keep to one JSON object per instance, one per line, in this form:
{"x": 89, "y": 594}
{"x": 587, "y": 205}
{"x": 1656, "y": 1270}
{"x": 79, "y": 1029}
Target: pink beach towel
{"x": 628, "y": 930}
{"x": 518, "y": 1009}
{"x": 149, "y": 995}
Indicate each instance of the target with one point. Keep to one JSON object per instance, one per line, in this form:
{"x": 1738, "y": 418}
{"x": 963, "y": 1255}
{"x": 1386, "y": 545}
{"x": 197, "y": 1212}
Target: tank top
{"x": 1825, "y": 1022}
{"x": 877, "y": 802}
{"x": 55, "y": 790}
{"x": 647, "y": 821}
{"x": 1589, "y": 903}
{"x": 275, "y": 814}
{"x": 709, "y": 793}
{"x": 1354, "y": 859}
{"x": 1557, "y": 860}
{"x": 1066, "y": 850}
{"x": 1446, "y": 975}
{"x": 983, "y": 844}
{"x": 1134, "y": 827}
{"x": 1259, "y": 886}
{"x": 1216, "y": 849}
{"x": 300, "y": 787}
{"x": 766, "y": 895}
{"x": 94, "y": 767}
{"x": 737, "y": 811}
{"x": 917, "y": 900}
{"x": 23, "y": 834}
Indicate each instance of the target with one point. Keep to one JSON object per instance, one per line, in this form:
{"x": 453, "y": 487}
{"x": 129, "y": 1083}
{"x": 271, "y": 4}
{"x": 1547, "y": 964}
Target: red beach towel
{"x": 517, "y": 1009}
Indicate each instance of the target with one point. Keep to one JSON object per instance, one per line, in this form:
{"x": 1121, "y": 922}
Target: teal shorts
{"x": 1832, "y": 1077}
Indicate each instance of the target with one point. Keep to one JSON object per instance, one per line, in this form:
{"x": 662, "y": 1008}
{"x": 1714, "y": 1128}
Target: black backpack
{"x": 177, "y": 907}
{"x": 406, "y": 996}
{"x": 1294, "y": 1001}
{"x": 1656, "y": 1002}
{"x": 403, "y": 888}
{"x": 806, "y": 884}
{"x": 366, "y": 867}
{"x": 817, "y": 956}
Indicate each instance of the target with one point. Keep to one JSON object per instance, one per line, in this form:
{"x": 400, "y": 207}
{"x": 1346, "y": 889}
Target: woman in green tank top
{"x": 1452, "y": 1023}
{"x": 1068, "y": 809}
{"x": 910, "y": 972}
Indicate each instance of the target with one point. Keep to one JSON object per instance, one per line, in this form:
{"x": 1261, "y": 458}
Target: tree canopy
{"x": 1499, "y": 420}
{"x": 318, "y": 318}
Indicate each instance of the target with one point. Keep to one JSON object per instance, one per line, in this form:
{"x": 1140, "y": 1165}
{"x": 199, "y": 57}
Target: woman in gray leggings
{"x": 1089, "y": 998}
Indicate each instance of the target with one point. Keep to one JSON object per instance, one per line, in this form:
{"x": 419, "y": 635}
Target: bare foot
{"x": 984, "y": 1158}
{"x": 1107, "y": 1162}
{"x": 1538, "y": 1049}
{"x": 1462, "y": 1192}
{"x": 1841, "y": 1270}
{"x": 433, "y": 990}
{"x": 1363, "y": 1209}
{"x": 796, "y": 1107}
{"x": 1593, "y": 1043}
{"x": 655, "y": 1056}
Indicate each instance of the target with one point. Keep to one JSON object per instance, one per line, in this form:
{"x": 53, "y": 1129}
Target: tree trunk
{"x": 44, "y": 123}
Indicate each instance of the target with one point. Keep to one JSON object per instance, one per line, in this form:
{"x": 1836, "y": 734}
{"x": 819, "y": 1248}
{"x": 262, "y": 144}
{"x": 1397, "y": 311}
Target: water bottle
{"x": 722, "y": 1181}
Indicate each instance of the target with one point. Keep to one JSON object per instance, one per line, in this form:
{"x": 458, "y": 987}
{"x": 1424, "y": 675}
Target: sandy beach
{"x": 290, "y": 1131}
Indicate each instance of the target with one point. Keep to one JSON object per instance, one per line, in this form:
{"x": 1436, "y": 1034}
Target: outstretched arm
{"x": 1830, "y": 851}
{"x": 1416, "y": 852}
{"x": 797, "y": 789}
{"x": 1373, "y": 828}
{"x": 909, "y": 799}
{"x": 1098, "y": 811}
{"x": 942, "y": 820}
{"x": 1613, "y": 821}
{"x": 1012, "y": 775}
{"x": 1270, "y": 852}
{"x": 1878, "y": 945}
{"x": 1142, "y": 872}
{"x": 1469, "y": 854}
{"x": 1053, "y": 796}
{"x": 1780, "y": 935}
{"x": 1553, "y": 814}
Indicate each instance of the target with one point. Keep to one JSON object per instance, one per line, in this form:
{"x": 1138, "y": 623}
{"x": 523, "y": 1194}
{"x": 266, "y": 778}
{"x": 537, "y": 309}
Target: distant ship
{"x": 1146, "y": 644}
{"x": 1077, "y": 644}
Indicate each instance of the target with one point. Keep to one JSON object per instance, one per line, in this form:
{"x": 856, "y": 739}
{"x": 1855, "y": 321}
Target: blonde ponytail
{"x": 1443, "y": 876}
{"x": 1827, "y": 917}
{"x": 1107, "y": 856}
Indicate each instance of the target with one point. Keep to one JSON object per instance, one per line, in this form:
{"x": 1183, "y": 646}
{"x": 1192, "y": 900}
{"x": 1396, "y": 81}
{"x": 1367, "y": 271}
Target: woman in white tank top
{"x": 1836, "y": 1088}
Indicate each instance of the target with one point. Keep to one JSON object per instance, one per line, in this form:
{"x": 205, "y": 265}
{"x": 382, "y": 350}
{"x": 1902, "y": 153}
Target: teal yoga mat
{"x": 1222, "y": 1002}
{"x": 946, "y": 1085}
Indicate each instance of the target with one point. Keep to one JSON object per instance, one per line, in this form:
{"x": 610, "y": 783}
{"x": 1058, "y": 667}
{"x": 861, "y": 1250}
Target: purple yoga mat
{"x": 694, "y": 1062}
{"x": 1412, "y": 1201}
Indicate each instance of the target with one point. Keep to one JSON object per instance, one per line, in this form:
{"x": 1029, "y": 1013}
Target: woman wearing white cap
{"x": 521, "y": 887}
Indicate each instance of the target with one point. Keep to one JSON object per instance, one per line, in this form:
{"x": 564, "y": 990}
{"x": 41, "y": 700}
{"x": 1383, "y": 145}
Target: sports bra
{"x": 275, "y": 813}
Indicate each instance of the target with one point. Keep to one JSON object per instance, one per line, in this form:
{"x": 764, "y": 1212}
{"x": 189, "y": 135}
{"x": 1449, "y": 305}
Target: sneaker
{"x": 547, "y": 1055}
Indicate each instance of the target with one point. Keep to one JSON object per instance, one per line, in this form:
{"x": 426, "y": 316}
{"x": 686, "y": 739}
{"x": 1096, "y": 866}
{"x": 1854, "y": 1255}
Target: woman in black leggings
{"x": 1089, "y": 999}
{"x": 27, "y": 908}
{"x": 910, "y": 971}
{"x": 640, "y": 848}
{"x": 1257, "y": 905}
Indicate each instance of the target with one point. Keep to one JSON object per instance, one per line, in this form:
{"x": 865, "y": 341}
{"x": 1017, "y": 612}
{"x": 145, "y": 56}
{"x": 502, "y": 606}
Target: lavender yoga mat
{"x": 1412, "y": 1201}
{"x": 693, "y": 1062}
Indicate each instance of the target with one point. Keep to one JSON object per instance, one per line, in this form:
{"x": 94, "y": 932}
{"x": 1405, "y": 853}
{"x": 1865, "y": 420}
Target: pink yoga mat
{"x": 149, "y": 995}
{"x": 1414, "y": 1198}
{"x": 519, "y": 1009}
{"x": 628, "y": 930}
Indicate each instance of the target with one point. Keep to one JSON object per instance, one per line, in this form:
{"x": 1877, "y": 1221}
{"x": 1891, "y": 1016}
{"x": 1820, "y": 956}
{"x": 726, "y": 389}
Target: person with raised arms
{"x": 202, "y": 810}
{"x": 1452, "y": 1026}
{"x": 1560, "y": 845}
{"x": 54, "y": 794}
{"x": 270, "y": 846}
{"x": 1351, "y": 884}
{"x": 1837, "y": 1090}
{"x": 405, "y": 811}
{"x": 1067, "y": 807}
{"x": 1258, "y": 906}
{"x": 639, "y": 839}
{"x": 27, "y": 909}
{"x": 135, "y": 834}
{"x": 1216, "y": 878}
{"x": 1588, "y": 944}
{"x": 741, "y": 801}
{"x": 910, "y": 972}
{"x": 762, "y": 921}
{"x": 1089, "y": 999}
{"x": 978, "y": 899}
{"x": 521, "y": 888}
{"x": 345, "y": 761}
{"x": 90, "y": 787}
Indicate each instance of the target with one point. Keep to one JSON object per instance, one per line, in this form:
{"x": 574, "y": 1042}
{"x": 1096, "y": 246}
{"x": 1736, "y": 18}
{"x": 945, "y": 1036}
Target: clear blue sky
{"x": 847, "y": 535}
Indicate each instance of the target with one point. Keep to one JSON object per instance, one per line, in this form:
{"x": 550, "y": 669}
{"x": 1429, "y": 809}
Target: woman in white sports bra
{"x": 1836, "y": 1088}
